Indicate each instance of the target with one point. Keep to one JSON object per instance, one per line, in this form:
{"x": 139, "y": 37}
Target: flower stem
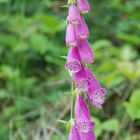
{"x": 72, "y": 99}
{"x": 70, "y": 1}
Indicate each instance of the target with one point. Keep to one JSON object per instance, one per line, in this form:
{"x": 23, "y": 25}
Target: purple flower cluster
{"x": 79, "y": 56}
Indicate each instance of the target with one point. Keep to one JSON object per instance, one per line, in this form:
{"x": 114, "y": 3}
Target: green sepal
{"x": 68, "y": 127}
{"x": 74, "y": 93}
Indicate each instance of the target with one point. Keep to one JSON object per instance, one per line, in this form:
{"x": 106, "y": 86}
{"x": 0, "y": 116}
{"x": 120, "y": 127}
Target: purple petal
{"x": 97, "y": 97}
{"x": 82, "y": 113}
{"x": 83, "y": 6}
{"x": 74, "y": 134}
{"x": 96, "y": 94}
{"x": 82, "y": 31}
{"x": 85, "y": 52}
{"x": 73, "y": 14}
{"x": 81, "y": 80}
{"x": 93, "y": 81}
{"x": 88, "y": 136}
{"x": 73, "y": 63}
{"x": 85, "y": 127}
{"x": 71, "y": 39}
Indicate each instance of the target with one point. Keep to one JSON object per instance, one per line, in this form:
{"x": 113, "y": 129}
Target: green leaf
{"x": 127, "y": 53}
{"x": 55, "y": 137}
{"x": 133, "y": 106}
{"x": 49, "y": 23}
{"x": 98, "y": 127}
{"x": 4, "y": 1}
{"x": 7, "y": 72}
{"x": 24, "y": 104}
{"x": 111, "y": 125}
{"x": 133, "y": 39}
{"x": 4, "y": 94}
{"x": 127, "y": 69}
{"x": 38, "y": 43}
{"x": 101, "y": 43}
{"x": 3, "y": 132}
{"x": 138, "y": 68}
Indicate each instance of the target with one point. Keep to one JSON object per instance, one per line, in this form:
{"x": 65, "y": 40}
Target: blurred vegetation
{"x": 34, "y": 86}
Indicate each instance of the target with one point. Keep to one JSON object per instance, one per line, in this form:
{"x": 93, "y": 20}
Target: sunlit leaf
{"x": 133, "y": 106}
{"x": 111, "y": 125}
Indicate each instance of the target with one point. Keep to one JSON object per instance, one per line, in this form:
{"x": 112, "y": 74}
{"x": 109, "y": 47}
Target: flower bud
{"x": 73, "y": 14}
{"x": 83, "y": 6}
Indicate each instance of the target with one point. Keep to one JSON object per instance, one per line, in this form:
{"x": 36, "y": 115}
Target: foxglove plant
{"x": 79, "y": 56}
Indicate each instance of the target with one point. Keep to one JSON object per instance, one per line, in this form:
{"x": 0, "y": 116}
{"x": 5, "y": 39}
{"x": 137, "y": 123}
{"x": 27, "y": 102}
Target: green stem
{"x": 72, "y": 99}
{"x": 70, "y": 1}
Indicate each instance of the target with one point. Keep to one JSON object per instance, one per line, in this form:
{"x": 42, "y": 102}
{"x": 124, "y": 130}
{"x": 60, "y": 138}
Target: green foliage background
{"x": 34, "y": 86}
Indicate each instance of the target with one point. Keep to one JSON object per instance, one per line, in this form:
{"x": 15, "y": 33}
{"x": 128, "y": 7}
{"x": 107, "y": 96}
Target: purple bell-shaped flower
{"x": 81, "y": 80}
{"x": 83, "y": 6}
{"x": 71, "y": 38}
{"x": 85, "y": 52}
{"x": 74, "y": 134}
{"x": 73, "y": 63}
{"x": 73, "y": 14}
{"x": 96, "y": 94}
{"x": 83, "y": 120}
{"x": 82, "y": 31}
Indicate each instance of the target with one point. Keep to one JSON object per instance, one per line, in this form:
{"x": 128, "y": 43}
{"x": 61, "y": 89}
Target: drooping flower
{"x": 83, "y": 6}
{"x": 73, "y": 14}
{"x": 82, "y": 113}
{"x": 83, "y": 120}
{"x": 96, "y": 94}
{"x": 85, "y": 52}
{"x": 81, "y": 80}
{"x": 82, "y": 31}
{"x": 71, "y": 39}
{"x": 73, "y": 63}
{"x": 74, "y": 134}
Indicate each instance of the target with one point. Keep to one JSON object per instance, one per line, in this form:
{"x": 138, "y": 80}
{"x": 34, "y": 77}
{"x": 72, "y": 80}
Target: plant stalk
{"x": 71, "y": 1}
{"x": 72, "y": 99}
